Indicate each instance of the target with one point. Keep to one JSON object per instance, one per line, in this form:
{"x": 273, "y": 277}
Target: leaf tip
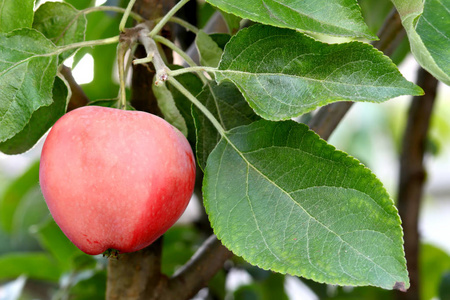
{"x": 399, "y": 285}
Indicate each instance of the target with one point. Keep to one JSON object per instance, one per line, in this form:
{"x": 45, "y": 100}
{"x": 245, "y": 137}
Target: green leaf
{"x": 233, "y": 22}
{"x": 15, "y": 14}
{"x": 334, "y": 17}
{"x": 285, "y": 200}
{"x": 93, "y": 287}
{"x": 41, "y": 121}
{"x": 434, "y": 262}
{"x": 35, "y": 265}
{"x": 283, "y": 73}
{"x": 228, "y": 106}
{"x": 55, "y": 242}
{"x": 61, "y": 23}
{"x": 166, "y": 104}
{"x": 208, "y": 50}
{"x": 28, "y": 65}
{"x": 428, "y": 28}
{"x": 15, "y": 193}
{"x": 444, "y": 287}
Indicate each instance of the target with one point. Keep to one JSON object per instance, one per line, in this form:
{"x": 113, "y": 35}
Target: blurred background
{"x": 38, "y": 262}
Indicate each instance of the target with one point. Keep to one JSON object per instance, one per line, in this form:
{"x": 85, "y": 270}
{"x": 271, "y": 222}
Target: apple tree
{"x": 257, "y": 88}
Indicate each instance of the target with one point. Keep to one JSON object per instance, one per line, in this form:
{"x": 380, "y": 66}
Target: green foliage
{"x": 15, "y": 14}
{"x": 298, "y": 206}
{"x": 41, "y": 121}
{"x": 228, "y": 105}
{"x": 276, "y": 194}
{"x": 27, "y": 58}
{"x": 167, "y": 105}
{"x": 334, "y": 17}
{"x": 208, "y": 49}
{"x": 61, "y": 23}
{"x": 283, "y": 73}
{"x": 428, "y": 27}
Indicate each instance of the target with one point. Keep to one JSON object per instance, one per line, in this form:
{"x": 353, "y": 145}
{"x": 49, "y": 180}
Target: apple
{"x": 115, "y": 179}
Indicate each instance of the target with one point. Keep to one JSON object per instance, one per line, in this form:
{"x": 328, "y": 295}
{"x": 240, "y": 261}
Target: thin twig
{"x": 412, "y": 176}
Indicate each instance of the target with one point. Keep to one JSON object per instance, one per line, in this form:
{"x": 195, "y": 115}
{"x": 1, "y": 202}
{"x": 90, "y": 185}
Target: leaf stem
{"x": 193, "y": 69}
{"x": 172, "y": 46}
{"x": 183, "y": 23}
{"x": 132, "y": 14}
{"x": 183, "y": 54}
{"x": 167, "y": 17}
{"x": 106, "y": 41}
{"x": 125, "y": 15}
{"x": 197, "y": 103}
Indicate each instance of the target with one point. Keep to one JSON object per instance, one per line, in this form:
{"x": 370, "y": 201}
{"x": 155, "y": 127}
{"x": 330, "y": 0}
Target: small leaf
{"x": 166, "y": 104}
{"x": 61, "y": 23}
{"x": 334, "y": 17}
{"x": 41, "y": 121}
{"x": 233, "y": 22}
{"x": 28, "y": 65}
{"x": 228, "y": 106}
{"x": 208, "y": 50}
{"x": 427, "y": 25}
{"x": 35, "y": 265}
{"x": 15, "y": 193}
{"x": 285, "y": 200}
{"x": 15, "y": 14}
{"x": 283, "y": 73}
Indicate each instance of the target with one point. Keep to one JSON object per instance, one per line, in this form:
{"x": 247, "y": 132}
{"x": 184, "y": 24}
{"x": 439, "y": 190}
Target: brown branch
{"x": 328, "y": 118}
{"x": 412, "y": 176}
{"x": 197, "y": 272}
{"x": 78, "y": 98}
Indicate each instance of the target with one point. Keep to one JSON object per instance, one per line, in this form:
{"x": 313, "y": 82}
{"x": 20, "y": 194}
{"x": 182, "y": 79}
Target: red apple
{"x": 115, "y": 179}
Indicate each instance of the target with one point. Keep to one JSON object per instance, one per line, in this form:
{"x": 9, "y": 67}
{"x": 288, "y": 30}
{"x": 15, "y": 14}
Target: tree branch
{"x": 78, "y": 98}
{"x": 328, "y": 118}
{"x": 412, "y": 176}
{"x": 197, "y": 272}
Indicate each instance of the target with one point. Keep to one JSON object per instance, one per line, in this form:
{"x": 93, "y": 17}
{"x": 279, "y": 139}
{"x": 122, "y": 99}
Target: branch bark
{"x": 328, "y": 118}
{"x": 412, "y": 176}
{"x": 78, "y": 98}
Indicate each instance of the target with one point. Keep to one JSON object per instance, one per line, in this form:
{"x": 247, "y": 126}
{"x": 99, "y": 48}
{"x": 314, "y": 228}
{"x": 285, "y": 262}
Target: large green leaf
{"x": 334, "y": 17}
{"x": 283, "y": 73}
{"x": 28, "y": 65}
{"x": 285, "y": 200}
{"x": 41, "y": 121}
{"x": 61, "y": 23}
{"x": 15, "y": 14}
{"x": 228, "y": 106}
{"x": 428, "y": 27}
{"x": 36, "y": 265}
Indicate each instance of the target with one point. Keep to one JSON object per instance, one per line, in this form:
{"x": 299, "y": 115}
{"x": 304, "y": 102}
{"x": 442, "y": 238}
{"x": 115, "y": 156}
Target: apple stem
{"x": 125, "y": 15}
{"x": 197, "y": 103}
{"x": 167, "y": 17}
{"x": 121, "y": 50}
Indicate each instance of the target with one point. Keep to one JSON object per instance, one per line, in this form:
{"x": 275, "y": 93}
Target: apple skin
{"x": 115, "y": 179}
